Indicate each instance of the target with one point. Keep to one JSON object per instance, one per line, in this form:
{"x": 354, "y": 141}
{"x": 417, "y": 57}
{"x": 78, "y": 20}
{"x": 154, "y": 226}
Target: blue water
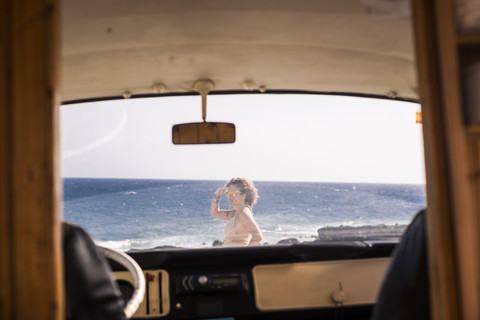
{"x": 130, "y": 213}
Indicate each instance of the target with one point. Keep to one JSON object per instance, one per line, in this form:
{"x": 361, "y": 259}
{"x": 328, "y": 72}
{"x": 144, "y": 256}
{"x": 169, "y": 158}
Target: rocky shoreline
{"x": 339, "y": 233}
{"x": 347, "y": 233}
{"x": 377, "y": 232}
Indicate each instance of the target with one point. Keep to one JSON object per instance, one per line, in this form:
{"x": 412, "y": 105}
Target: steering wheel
{"x": 138, "y": 277}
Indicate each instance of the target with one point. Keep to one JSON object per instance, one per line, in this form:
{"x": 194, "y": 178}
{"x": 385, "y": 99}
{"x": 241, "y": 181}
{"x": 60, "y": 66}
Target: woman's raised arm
{"x": 215, "y": 207}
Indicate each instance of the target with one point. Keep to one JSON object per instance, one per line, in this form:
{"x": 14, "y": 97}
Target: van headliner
{"x": 122, "y": 48}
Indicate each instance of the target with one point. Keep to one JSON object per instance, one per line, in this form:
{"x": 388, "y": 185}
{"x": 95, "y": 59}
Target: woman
{"x": 241, "y": 228}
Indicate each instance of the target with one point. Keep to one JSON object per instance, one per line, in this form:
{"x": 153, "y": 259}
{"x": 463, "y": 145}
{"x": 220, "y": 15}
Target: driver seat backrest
{"x": 90, "y": 292}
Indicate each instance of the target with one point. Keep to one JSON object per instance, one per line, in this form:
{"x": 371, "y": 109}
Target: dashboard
{"x": 320, "y": 280}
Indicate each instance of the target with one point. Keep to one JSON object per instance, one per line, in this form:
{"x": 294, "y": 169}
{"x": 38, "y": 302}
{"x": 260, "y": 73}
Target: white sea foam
{"x": 271, "y": 237}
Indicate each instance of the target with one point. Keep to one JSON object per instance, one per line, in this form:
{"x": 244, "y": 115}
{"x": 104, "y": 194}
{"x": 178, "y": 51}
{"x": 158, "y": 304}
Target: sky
{"x": 279, "y": 138}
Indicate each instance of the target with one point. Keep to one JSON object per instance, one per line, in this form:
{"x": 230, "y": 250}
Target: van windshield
{"x": 325, "y": 168}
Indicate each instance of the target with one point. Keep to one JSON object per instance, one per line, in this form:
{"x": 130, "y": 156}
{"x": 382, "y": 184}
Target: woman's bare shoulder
{"x": 245, "y": 214}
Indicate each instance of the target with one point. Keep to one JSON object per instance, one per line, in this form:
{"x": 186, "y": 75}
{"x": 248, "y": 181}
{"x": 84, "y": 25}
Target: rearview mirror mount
{"x": 203, "y": 132}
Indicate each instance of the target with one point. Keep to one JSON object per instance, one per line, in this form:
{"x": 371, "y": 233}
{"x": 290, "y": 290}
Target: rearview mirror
{"x": 203, "y": 133}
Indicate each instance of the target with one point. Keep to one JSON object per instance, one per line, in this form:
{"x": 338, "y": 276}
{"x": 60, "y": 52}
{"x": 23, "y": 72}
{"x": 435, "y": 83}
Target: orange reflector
{"x": 418, "y": 117}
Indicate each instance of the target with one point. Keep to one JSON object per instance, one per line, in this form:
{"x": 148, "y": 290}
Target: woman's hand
{"x": 220, "y": 191}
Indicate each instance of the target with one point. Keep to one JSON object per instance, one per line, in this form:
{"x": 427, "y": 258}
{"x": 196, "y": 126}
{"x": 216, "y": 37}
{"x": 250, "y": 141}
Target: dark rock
{"x": 217, "y": 243}
{"x": 288, "y": 241}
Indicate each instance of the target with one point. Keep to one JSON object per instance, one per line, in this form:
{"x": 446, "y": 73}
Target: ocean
{"x": 138, "y": 214}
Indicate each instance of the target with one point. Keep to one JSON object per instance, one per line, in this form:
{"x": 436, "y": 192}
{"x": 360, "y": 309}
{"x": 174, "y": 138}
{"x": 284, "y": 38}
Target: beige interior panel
{"x": 113, "y": 46}
{"x": 158, "y": 304}
{"x": 314, "y": 284}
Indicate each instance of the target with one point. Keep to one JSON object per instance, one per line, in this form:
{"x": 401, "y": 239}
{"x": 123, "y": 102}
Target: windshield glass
{"x": 325, "y": 168}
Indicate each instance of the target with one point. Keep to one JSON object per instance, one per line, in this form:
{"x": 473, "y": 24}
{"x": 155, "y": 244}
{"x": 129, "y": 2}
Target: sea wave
{"x": 331, "y": 233}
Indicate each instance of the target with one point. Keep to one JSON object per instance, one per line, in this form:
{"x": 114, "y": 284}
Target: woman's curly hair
{"x": 246, "y": 187}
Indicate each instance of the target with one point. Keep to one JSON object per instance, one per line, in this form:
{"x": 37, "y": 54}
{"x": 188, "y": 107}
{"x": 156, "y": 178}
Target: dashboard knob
{"x": 202, "y": 280}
